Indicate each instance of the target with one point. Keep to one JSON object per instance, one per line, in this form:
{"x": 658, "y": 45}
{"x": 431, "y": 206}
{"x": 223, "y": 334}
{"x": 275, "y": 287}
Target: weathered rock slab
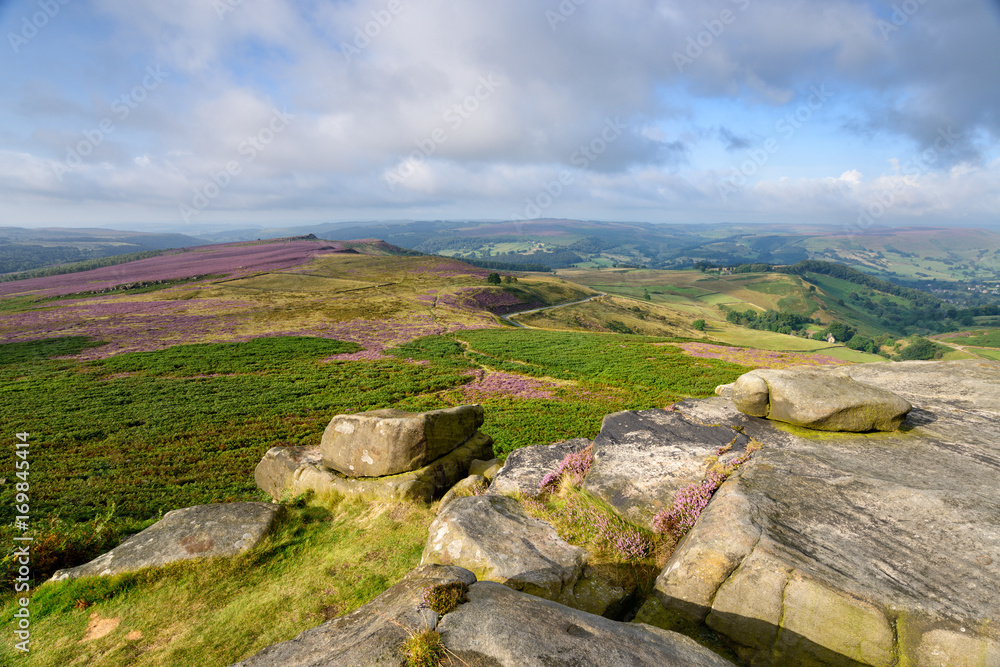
{"x": 473, "y": 485}
{"x": 525, "y": 467}
{"x": 389, "y": 442}
{"x": 495, "y": 539}
{"x": 506, "y": 628}
{"x": 201, "y": 531}
{"x": 642, "y": 458}
{"x": 856, "y": 548}
{"x": 295, "y": 470}
{"x": 487, "y": 469}
{"x": 817, "y": 399}
{"x": 496, "y": 627}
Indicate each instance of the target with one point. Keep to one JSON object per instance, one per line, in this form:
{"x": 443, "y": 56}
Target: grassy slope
{"x": 687, "y": 295}
{"x": 328, "y": 558}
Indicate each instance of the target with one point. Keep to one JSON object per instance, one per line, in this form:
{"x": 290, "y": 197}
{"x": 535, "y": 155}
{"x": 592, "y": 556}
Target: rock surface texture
{"x": 496, "y": 627}
{"x": 642, "y": 458}
{"x": 856, "y": 548}
{"x": 524, "y": 469}
{"x": 295, "y": 470}
{"x": 389, "y": 442}
{"x": 193, "y": 532}
{"x": 818, "y": 399}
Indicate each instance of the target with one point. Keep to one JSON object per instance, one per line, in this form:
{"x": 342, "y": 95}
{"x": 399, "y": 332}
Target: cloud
{"x": 484, "y": 103}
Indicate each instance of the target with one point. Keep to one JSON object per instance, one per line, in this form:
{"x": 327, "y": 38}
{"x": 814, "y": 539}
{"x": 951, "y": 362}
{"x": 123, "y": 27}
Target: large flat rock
{"x": 389, "y": 442}
{"x": 506, "y": 628}
{"x": 642, "y": 458}
{"x": 496, "y": 627}
{"x": 851, "y": 548}
{"x": 289, "y": 471}
{"x": 201, "y": 531}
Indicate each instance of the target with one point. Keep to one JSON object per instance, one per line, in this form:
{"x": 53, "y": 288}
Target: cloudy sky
{"x": 196, "y": 113}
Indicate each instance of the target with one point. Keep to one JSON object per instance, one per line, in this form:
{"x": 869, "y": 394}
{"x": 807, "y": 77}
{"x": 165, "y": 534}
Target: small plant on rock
{"x": 443, "y": 598}
{"x": 574, "y": 468}
{"x": 423, "y": 649}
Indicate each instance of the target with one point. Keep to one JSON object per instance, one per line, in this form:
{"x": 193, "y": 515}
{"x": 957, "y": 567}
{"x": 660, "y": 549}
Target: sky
{"x": 200, "y": 113}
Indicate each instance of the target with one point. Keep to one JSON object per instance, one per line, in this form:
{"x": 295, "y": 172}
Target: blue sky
{"x": 201, "y": 113}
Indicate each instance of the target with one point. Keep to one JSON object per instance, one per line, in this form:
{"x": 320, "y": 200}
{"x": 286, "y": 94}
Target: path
{"x": 537, "y": 310}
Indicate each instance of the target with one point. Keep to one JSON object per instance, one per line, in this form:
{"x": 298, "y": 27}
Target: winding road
{"x": 537, "y": 310}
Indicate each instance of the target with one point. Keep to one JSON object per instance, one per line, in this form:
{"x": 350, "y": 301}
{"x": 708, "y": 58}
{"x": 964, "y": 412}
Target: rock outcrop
{"x": 855, "y": 548}
{"x": 496, "y": 627}
{"x": 817, "y": 399}
{"x": 201, "y": 531}
{"x": 493, "y": 537}
{"x": 290, "y": 471}
{"x": 524, "y": 468}
{"x": 642, "y": 458}
{"x": 388, "y": 442}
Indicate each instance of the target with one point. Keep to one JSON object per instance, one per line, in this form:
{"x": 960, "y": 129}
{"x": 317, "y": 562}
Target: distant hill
{"x": 901, "y": 254}
{"x": 26, "y": 249}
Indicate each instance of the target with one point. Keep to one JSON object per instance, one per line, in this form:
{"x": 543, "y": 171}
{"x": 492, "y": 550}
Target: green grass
{"x": 154, "y": 431}
{"x": 988, "y": 353}
{"x": 979, "y": 338}
{"x": 327, "y": 558}
{"x": 634, "y": 364}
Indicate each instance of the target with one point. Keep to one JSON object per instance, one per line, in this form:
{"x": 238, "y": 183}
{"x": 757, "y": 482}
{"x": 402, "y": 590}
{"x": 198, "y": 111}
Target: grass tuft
{"x": 424, "y": 649}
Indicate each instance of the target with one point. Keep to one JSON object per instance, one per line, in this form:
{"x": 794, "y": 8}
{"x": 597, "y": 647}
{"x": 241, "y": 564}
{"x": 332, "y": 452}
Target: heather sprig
{"x": 573, "y": 467}
{"x": 690, "y": 501}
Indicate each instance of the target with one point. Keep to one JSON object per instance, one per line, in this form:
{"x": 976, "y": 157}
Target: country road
{"x": 537, "y": 310}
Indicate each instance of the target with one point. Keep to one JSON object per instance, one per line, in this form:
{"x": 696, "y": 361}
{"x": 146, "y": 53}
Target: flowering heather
{"x": 574, "y": 467}
{"x": 496, "y": 301}
{"x": 490, "y": 385}
{"x": 453, "y": 268}
{"x": 691, "y": 500}
{"x": 234, "y": 260}
{"x": 128, "y": 326}
{"x": 758, "y": 358}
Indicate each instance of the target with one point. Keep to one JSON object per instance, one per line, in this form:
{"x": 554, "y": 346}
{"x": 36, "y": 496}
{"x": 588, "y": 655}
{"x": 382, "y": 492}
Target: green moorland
{"x": 116, "y": 442}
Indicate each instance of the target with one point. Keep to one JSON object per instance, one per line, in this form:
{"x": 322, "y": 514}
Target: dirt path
{"x": 538, "y": 310}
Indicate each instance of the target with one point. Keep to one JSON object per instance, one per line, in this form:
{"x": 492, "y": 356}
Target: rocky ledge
{"x": 849, "y": 548}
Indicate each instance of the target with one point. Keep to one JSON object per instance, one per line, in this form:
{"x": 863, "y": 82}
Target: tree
{"x": 507, "y": 280}
{"x": 493, "y": 279}
{"x": 699, "y": 325}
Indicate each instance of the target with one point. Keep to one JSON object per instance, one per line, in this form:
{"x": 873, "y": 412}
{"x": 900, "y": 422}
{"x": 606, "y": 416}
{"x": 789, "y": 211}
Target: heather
{"x": 691, "y": 500}
{"x": 233, "y": 260}
{"x": 752, "y": 358}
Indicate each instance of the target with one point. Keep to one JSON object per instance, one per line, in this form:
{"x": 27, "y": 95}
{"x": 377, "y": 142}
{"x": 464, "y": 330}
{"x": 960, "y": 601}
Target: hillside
{"x": 26, "y": 249}
{"x": 904, "y": 253}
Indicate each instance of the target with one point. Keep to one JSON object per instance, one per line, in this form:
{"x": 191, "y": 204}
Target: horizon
{"x": 240, "y": 113}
